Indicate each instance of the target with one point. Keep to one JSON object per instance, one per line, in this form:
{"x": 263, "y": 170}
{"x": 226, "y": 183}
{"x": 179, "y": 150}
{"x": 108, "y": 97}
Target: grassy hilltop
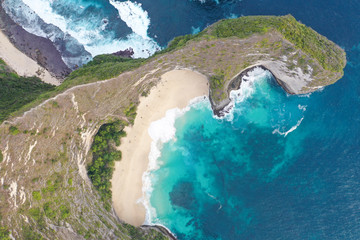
{"x": 316, "y": 49}
{"x": 16, "y": 91}
{"x": 57, "y": 159}
{"x": 327, "y": 53}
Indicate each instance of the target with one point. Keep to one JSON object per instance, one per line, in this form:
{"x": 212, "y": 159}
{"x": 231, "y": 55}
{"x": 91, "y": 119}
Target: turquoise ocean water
{"x": 279, "y": 166}
{"x": 211, "y": 166}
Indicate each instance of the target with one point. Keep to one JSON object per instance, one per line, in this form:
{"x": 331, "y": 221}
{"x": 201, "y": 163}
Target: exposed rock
{"x": 127, "y": 53}
{"x": 54, "y": 139}
{"x": 38, "y": 48}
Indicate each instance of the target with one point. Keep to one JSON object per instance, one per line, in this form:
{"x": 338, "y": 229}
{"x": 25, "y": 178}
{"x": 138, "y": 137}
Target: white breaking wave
{"x": 307, "y": 95}
{"x": 138, "y": 20}
{"x": 247, "y": 88}
{"x": 160, "y": 132}
{"x": 23, "y": 15}
{"x": 195, "y": 30}
{"x": 105, "y": 22}
{"x": 134, "y": 16}
{"x": 143, "y": 48}
{"x": 43, "y": 9}
{"x": 293, "y": 128}
{"x": 86, "y": 34}
{"x": 233, "y": 15}
{"x": 301, "y": 107}
{"x": 213, "y": 197}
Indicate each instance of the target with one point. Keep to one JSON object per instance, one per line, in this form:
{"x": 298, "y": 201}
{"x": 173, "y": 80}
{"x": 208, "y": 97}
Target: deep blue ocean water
{"x": 280, "y": 166}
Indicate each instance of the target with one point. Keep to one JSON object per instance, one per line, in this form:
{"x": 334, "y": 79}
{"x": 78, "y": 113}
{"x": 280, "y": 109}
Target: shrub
{"x": 64, "y": 212}
{"x": 14, "y": 130}
{"x": 104, "y": 156}
{"x": 35, "y": 213}
{"x": 330, "y": 56}
{"x": 36, "y": 195}
{"x": 29, "y": 234}
{"x": 16, "y": 91}
{"x": 4, "y": 233}
{"x": 49, "y": 212}
{"x": 130, "y": 112}
{"x": 100, "y": 68}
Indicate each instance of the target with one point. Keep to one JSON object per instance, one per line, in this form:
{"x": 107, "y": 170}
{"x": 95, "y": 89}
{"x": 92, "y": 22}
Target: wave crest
{"x": 79, "y": 34}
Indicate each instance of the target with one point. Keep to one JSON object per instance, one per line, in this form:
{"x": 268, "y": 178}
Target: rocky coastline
{"x": 161, "y": 229}
{"x": 72, "y": 118}
{"x": 37, "y": 48}
{"x": 222, "y": 108}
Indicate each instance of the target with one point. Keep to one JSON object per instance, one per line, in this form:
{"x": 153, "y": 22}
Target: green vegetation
{"x": 36, "y": 195}
{"x": 53, "y": 212}
{"x": 104, "y": 156}
{"x": 1, "y": 157}
{"x": 108, "y": 66}
{"x": 130, "y": 112}
{"x": 4, "y": 233}
{"x": 64, "y": 212}
{"x": 52, "y": 186}
{"x": 16, "y": 91}
{"x": 134, "y": 233}
{"x": 14, "y": 130}
{"x": 100, "y": 68}
{"x": 34, "y": 180}
{"x": 180, "y": 41}
{"x": 29, "y": 234}
{"x": 217, "y": 82}
{"x": 56, "y": 210}
{"x": 319, "y": 47}
{"x": 49, "y": 212}
{"x": 35, "y": 213}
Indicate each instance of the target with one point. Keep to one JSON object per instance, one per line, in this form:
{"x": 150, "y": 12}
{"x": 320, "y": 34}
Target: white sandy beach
{"x": 175, "y": 90}
{"x": 22, "y": 64}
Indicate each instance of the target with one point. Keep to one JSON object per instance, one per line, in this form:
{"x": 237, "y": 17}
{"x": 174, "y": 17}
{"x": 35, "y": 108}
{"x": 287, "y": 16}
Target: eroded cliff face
{"x": 44, "y": 187}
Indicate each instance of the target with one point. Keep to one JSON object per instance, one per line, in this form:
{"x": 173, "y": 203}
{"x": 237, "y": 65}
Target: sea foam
{"x": 160, "y": 132}
{"x": 246, "y": 89}
{"x": 134, "y": 16}
{"x": 72, "y": 52}
{"x": 38, "y": 17}
{"x": 293, "y": 128}
{"x": 163, "y": 130}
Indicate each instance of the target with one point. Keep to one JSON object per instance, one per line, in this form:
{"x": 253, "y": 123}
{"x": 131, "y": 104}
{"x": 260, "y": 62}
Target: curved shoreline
{"x": 235, "y": 83}
{"x": 175, "y": 90}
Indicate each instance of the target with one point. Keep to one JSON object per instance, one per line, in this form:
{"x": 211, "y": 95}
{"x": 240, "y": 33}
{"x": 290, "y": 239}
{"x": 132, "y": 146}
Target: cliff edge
{"x": 45, "y": 147}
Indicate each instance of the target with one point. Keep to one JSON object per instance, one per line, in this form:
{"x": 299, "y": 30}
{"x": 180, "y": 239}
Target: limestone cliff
{"x": 44, "y": 187}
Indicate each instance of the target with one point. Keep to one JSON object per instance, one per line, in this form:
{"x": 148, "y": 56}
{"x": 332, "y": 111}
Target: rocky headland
{"x": 46, "y": 148}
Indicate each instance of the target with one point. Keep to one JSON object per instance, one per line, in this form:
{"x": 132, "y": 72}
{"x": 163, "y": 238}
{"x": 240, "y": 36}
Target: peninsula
{"x": 59, "y": 178}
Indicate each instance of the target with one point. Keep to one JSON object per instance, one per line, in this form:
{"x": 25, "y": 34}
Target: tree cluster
{"x": 104, "y": 156}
